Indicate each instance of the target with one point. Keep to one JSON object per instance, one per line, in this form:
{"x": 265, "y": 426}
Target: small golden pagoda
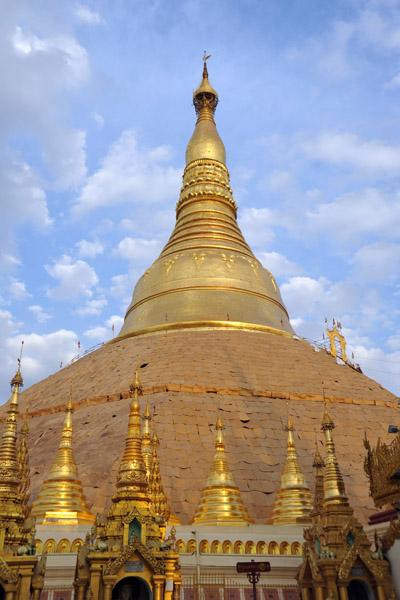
{"x": 126, "y": 554}
{"x": 21, "y": 574}
{"x": 220, "y": 501}
{"x": 159, "y": 502}
{"x": 147, "y": 447}
{"x": 319, "y": 465}
{"x": 337, "y": 560}
{"x": 293, "y": 502}
{"x": 61, "y": 499}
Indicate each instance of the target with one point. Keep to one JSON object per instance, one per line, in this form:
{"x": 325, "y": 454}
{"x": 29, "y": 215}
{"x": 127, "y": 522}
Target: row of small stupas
{"x": 62, "y": 499}
{"x": 134, "y": 526}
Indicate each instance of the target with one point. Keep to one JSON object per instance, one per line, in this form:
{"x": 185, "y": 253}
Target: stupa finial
{"x": 318, "y": 464}
{"x": 61, "y": 498}
{"x": 132, "y": 480}
{"x": 220, "y": 501}
{"x": 334, "y": 490}
{"x": 146, "y": 439}
{"x": 293, "y": 502}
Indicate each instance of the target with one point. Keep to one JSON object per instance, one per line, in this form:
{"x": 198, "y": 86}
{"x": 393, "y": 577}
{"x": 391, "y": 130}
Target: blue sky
{"x": 95, "y": 115}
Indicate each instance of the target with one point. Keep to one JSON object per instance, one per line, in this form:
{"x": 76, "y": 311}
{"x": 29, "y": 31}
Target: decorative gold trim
{"x": 200, "y": 325}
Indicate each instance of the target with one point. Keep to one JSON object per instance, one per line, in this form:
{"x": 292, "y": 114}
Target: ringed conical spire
{"x": 132, "y": 483}
{"x": 334, "y": 490}
{"x": 293, "y": 502}
{"x": 220, "y": 501}
{"x": 319, "y": 465}
{"x": 206, "y": 275}
{"x": 62, "y": 498}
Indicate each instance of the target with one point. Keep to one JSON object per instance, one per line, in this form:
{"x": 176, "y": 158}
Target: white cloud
{"x": 278, "y": 264}
{"x": 349, "y": 150}
{"x": 23, "y": 201}
{"x": 257, "y": 226}
{"x": 103, "y": 333}
{"x": 92, "y": 307}
{"x": 39, "y": 313}
{"x": 130, "y": 174}
{"x": 354, "y": 215}
{"x": 97, "y": 333}
{"x": 98, "y": 118}
{"x": 89, "y": 249}
{"x": 17, "y": 289}
{"x": 87, "y": 16}
{"x": 75, "y": 279}
{"x": 378, "y": 262}
{"x": 121, "y": 287}
{"x": 42, "y": 354}
{"x": 138, "y": 250}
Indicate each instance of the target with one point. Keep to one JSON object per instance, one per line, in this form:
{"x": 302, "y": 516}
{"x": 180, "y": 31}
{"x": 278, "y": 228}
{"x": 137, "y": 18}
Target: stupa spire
{"x": 61, "y": 498}
{"x": 147, "y": 450}
{"x": 10, "y": 478}
{"x": 334, "y": 490}
{"x": 206, "y": 275}
{"x": 132, "y": 482}
{"x": 220, "y": 501}
{"x": 23, "y": 464}
{"x": 159, "y": 503}
{"x": 319, "y": 465}
{"x": 293, "y": 502}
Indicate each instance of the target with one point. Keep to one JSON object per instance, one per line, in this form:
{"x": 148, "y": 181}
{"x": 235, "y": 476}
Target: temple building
{"x": 178, "y": 504}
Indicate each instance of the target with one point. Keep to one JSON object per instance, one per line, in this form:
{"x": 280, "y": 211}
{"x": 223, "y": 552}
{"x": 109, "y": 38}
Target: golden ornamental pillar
{"x": 305, "y": 594}
{"x": 319, "y": 592}
{"x": 158, "y": 587}
{"x": 380, "y": 591}
{"x": 343, "y": 595}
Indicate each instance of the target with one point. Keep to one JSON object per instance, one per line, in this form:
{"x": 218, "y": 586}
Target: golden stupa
{"x": 206, "y": 274}
{"x": 293, "y": 502}
{"x": 61, "y": 499}
{"x": 209, "y": 331}
{"x": 220, "y": 501}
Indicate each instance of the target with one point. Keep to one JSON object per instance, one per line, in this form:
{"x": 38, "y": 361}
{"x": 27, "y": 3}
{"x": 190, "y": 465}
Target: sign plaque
{"x": 133, "y": 566}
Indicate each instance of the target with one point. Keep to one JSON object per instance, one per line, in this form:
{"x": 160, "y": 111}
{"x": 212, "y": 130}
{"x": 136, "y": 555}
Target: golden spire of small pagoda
{"x": 158, "y": 500}
{"x": 220, "y": 501}
{"x": 319, "y": 465}
{"x": 13, "y": 512}
{"x": 334, "y": 490}
{"x": 23, "y": 464}
{"x": 10, "y": 479}
{"x": 293, "y": 501}
{"x": 132, "y": 482}
{"x": 147, "y": 449}
{"x": 61, "y": 498}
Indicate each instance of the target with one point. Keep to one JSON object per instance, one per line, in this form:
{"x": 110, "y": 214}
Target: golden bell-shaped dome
{"x": 206, "y": 275}
{"x": 220, "y": 501}
{"x": 293, "y": 501}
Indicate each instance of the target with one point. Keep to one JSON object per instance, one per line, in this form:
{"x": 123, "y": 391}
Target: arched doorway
{"x": 359, "y": 590}
{"x": 132, "y": 588}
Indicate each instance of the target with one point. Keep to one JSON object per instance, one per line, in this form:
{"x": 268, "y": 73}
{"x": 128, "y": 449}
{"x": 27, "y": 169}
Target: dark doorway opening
{"x": 131, "y": 588}
{"x": 2, "y": 594}
{"x": 359, "y": 590}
